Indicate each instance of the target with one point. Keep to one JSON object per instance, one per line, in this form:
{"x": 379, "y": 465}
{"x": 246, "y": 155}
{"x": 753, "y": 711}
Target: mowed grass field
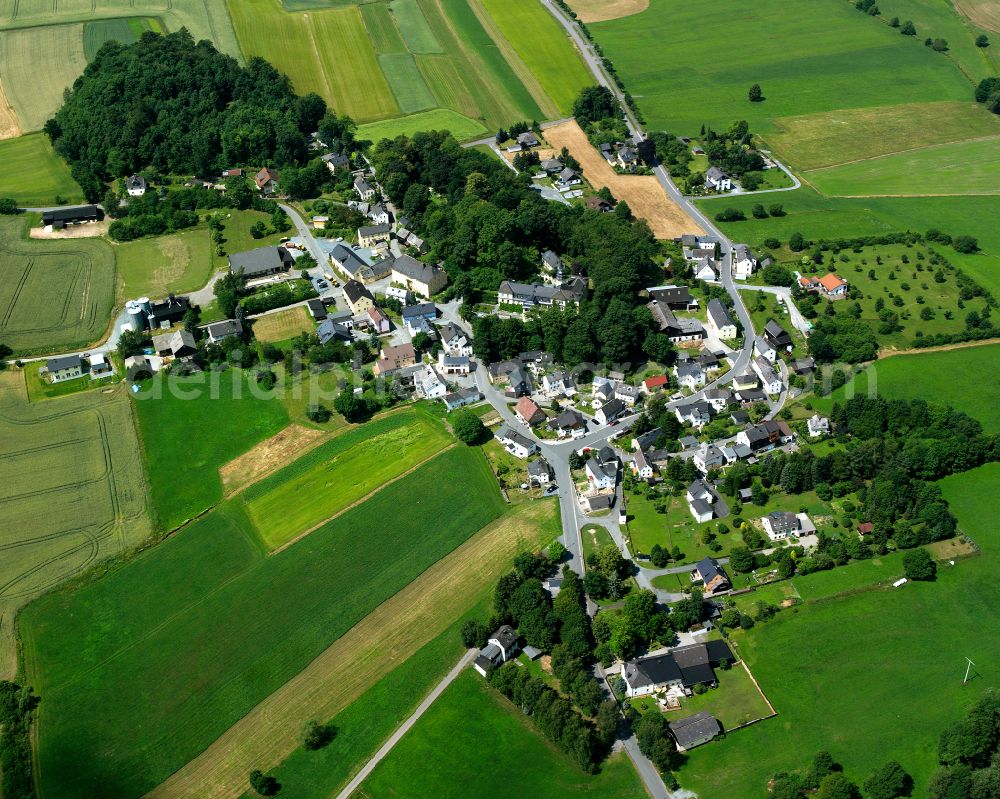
{"x": 125, "y": 30}
{"x": 434, "y": 604}
{"x": 152, "y": 267}
{"x": 33, "y": 174}
{"x": 74, "y": 492}
{"x": 336, "y": 474}
{"x": 283, "y": 325}
{"x": 825, "y": 665}
{"x": 191, "y": 427}
{"x": 54, "y": 295}
{"x": 966, "y": 167}
{"x": 475, "y": 737}
{"x": 180, "y": 664}
{"x": 461, "y": 127}
{"x": 960, "y": 377}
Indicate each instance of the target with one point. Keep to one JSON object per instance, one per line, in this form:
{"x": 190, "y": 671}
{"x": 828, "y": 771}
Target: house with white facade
{"x": 770, "y": 380}
{"x": 720, "y": 321}
{"x": 743, "y": 262}
{"x": 516, "y": 444}
{"x": 818, "y": 425}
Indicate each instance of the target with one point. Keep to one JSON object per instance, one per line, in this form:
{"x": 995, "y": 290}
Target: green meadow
{"x": 33, "y": 174}
{"x": 144, "y": 668}
{"x": 439, "y": 119}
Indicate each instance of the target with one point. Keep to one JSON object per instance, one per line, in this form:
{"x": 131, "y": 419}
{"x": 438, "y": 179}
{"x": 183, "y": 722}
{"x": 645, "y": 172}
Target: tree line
{"x": 17, "y": 704}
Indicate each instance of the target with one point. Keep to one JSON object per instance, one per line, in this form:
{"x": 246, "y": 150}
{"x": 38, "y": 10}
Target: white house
{"x": 609, "y": 411}
{"x": 818, "y": 425}
{"x": 769, "y": 379}
{"x": 539, "y": 472}
{"x": 626, "y": 393}
{"x": 454, "y": 341}
{"x": 641, "y": 467}
{"x": 706, "y": 270}
{"x": 690, "y": 375}
{"x": 716, "y": 179}
{"x": 430, "y": 385}
{"x": 743, "y": 262}
{"x": 764, "y": 348}
{"x": 558, "y": 384}
{"x": 516, "y": 444}
{"x": 780, "y": 524}
{"x": 501, "y": 647}
{"x": 708, "y": 456}
{"x": 135, "y": 185}
{"x": 599, "y": 476}
{"x": 720, "y": 321}
{"x": 697, "y": 414}
{"x": 418, "y": 277}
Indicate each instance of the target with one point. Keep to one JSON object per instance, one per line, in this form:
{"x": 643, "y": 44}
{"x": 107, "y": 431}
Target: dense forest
{"x": 179, "y": 107}
{"x": 487, "y": 224}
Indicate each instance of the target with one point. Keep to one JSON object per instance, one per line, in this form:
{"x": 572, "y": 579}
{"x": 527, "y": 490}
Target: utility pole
{"x": 968, "y": 668}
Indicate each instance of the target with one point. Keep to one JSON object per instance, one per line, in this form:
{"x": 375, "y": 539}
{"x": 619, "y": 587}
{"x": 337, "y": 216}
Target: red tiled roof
{"x": 831, "y": 282}
{"x": 654, "y": 382}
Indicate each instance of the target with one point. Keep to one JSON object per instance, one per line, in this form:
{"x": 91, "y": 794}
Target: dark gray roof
{"x": 539, "y": 466}
{"x": 329, "y": 330}
{"x": 505, "y": 636}
{"x": 567, "y": 419}
{"x": 64, "y": 362}
{"x": 718, "y": 313}
{"x": 695, "y": 730}
{"x": 657, "y": 670}
{"x": 77, "y": 213}
{"x": 372, "y": 230}
{"x": 612, "y": 407}
{"x": 410, "y": 267}
{"x": 708, "y": 568}
{"x": 423, "y": 309}
{"x": 776, "y": 332}
{"x": 701, "y": 507}
{"x": 227, "y": 327}
{"x": 355, "y": 291}
{"x": 671, "y": 295}
{"x": 259, "y": 261}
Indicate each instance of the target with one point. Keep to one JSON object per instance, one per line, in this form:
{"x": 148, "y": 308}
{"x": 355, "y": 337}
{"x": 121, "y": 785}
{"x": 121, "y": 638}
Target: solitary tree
{"x": 263, "y": 784}
{"x": 469, "y": 428}
{"x": 908, "y": 29}
{"x": 982, "y": 40}
{"x": 918, "y": 565}
{"x": 755, "y": 94}
{"x": 316, "y": 735}
{"x": 888, "y": 782}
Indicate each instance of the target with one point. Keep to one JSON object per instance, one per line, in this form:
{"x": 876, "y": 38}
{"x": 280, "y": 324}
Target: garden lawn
{"x": 283, "y": 325}
{"x": 33, "y": 174}
{"x": 825, "y": 665}
{"x": 677, "y": 527}
{"x": 175, "y": 665}
{"x": 192, "y": 426}
{"x": 476, "y": 737}
{"x": 951, "y": 377}
{"x": 735, "y": 701}
{"x": 332, "y": 476}
{"x": 237, "y": 236}
{"x": 155, "y": 266}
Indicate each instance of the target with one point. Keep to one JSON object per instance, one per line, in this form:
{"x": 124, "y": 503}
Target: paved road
{"x": 305, "y": 232}
{"x": 403, "y": 728}
{"x": 796, "y": 183}
{"x": 797, "y": 319}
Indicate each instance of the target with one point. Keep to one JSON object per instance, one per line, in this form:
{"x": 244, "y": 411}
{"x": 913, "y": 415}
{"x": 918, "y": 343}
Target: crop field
{"x": 943, "y": 169}
{"x": 152, "y": 267}
{"x": 949, "y": 377}
{"x": 825, "y": 666}
{"x": 283, "y": 325}
{"x": 808, "y": 57}
{"x": 222, "y": 655}
{"x": 74, "y": 492}
{"x": 54, "y": 295}
{"x": 461, "y": 127}
{"x": 123, "y": 29}
{"x": 413, "y": 26}
{"x": 337, "y": 474}
{"x": 229, "y": 419}
{"x": 415, "y": 617}
{"x": 541, "y": 42}
{"x": 981, "y": 12}
{"x": 476, "y": 737}
{"x": 33, "y": 174}
{"x": 406, "y": 82}
{"x": 382, "y": 29}
{"x": 854, "y": 134}
{"x": 643, "y": 193}
{"x": 589, "y": 11}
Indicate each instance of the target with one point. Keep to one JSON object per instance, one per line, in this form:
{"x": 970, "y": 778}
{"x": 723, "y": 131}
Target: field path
{"x": 367, "y": 652}
{"x": 404, "y": 728}
{"x": 643, "y": 193}
{"x": 961, "y": 345}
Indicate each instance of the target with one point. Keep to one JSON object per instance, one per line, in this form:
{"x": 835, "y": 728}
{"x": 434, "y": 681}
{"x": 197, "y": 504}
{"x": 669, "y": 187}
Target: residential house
{"x": 777, "y": 336}
{"x": 100, "y": 366}
{"x": 830, "y": 285}
{"x": 627, "y": 158}
{"x": 627, "y": 394}
{"x": 330, "y": 329}
{"x": 765, "y": 435}
{"x": 708, "y": 456}
{"x": 567, "y": 178}
{"x": 452, "y": 365}
{"x": 595, "y": 503}
{"x": 743, "y": 262}
{"x": 316, "y": 308}
{"x": 527, "y": 140}
{"x": 335, "y": 161}
{"x": 711, "y": 575}
{"x": 780, "y": 524}
{"x": 694, "y": 730}
{"x": 359, "y": 299}
{"x": 260, "y": 261}
{"x": 512, "y": 374}
{"x": 602, "y": 390}
{"x": 418, "y": 277}
{"x": 417, "y": 318}
{"x": 551, "y": 165}
{"x": 135, "y": 185}
{"x": 179, "y": 344}
{"x": 818, "y": 426}
{"x": 454, "y": 341}
{"x": 718, "y": 398}
{"x": 676, "y": 671}
{"x": 64, "y": 367}
{"x": 601, "y": 477}
{"x": 219, "y": 331}
{"x": 518, "y": 445}
{"x": 676, "y": 329}
{"x": 462, "y": 397}
{"x": 59, "y": 218}
{"x": 266, "y": 181}
{"x": 373, "y": 235}
{"x": 501, "y": 647}
{"x": 595, "y": 203}
{"x": 539, "y": 472}
{"x": 764, "y": 348}
{"x": 379, "y": 321}
{"x": 677, "y": 298}
{"x": 770, "y": 380}
{"x": 380, "y": 214}
{"x": 745, "y": 381}
{"x": 706, "y": 270}
{"x": 654, "y": 385}
{"x": 804, "y": 366}
{"x": 537, "y": 360}
{"x": 697, "y": 414}
{"x": 364, "y": 189}
{"x": 609, "y": 411}
{"x": 392, "y": 358}
{"x": 718, "y": 180}
{"x": 720, "y": 320}
{"x": 529, "y": 295}
{"x": 568, "y": 423}
{"x": 865, "y": 528}
{"x": 428, "y": 383}
{"x": 558, "y": 384}
{"x": 641, "y": 466}
{"x": 527, "y": 411}
{"x": 344, "y": 257}
{"x": 643, "y": 441}
{"x": 552, "y": 263}
{"x": 167, "y": 313}
{"x": 690, "y": 375}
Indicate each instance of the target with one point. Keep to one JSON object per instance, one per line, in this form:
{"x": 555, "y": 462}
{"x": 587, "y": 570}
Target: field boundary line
{"x": 900, "y": 152}
{"x": 958, "y": 345}
{"x": 309, "y": 447}
{"x": 357, "y": 502}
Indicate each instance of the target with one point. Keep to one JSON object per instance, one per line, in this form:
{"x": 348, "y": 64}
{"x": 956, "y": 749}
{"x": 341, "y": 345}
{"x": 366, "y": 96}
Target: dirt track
{"x": 643, "y": 193}
{"x": 366, "y": 653}
{"x": 268, "y": 456}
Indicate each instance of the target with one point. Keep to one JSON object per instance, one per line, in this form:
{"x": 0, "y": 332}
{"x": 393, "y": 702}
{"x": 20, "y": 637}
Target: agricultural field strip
{"x": 364, "y": 654}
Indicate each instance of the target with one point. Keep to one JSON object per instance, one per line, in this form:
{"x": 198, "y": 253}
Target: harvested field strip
{"x": 9, "y": 127}
{"x": 365, "y": 653}
{"x": 268, "y": 456}
{"x": 152, "y": 697}
{"x": 644, "y": 194}
{"x": 588, "y": 11}
{"x": 406, "y": 82}
{"x": 985, "y": 13}
{"x": 332, "y": 476}
{"x": 382, "y": 29}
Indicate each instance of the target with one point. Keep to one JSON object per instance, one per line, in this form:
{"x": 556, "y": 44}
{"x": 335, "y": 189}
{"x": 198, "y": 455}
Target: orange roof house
{"x": 528, "y": 411}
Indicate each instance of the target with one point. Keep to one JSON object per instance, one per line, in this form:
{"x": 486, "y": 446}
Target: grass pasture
{"x": 54, "y": 295}
{"x": 222, "y": 655}
{"x": 334, "y": 684}
{"x": 229, "y": 419}
{"x": 414, "y": 28}
{"x": 282, "y": 325}
{"x": 123, "y": 29}
{"x": 461, "y": 127}
{"x": 74, "y": 492}
{"x": 406, "y": 82}
{"x": 965, "y": 167}
{"x": 33, "y": 174}
{"x": 336, "y": 474}
{"x": 382, "y": 28}
{"x": 734, "y": 702}
{"x": 476, "y": 737}
{"x": 34, "y": 81}
{"x": 177, "y": 262}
